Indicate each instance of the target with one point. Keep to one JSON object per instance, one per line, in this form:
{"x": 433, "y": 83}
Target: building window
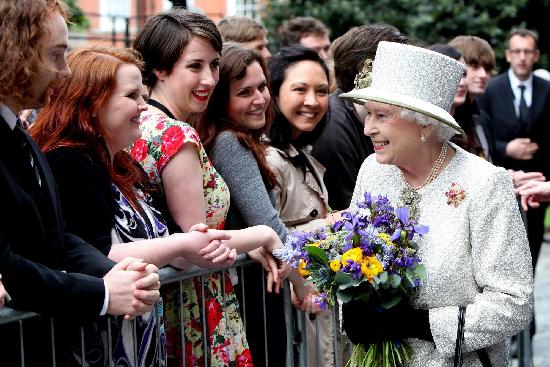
{"x": 109, "y": 9}
{"x": 248, "y": 8}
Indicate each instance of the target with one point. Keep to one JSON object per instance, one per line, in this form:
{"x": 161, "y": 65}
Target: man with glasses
{"x": 519, "y": 105}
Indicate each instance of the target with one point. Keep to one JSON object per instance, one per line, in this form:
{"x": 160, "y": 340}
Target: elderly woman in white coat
{"x": 476, "y": 252}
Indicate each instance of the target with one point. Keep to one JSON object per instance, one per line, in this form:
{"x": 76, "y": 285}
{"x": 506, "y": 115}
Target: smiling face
{"x": 303, "y": 96}
{"x": 249, "y": 98}
{"x": 188, "y": 87}
{"x": 52, "y": 66}
{"x": 119, "y": 116}
{"x": 477, "y": 78}
{"x": 395, "y": 139}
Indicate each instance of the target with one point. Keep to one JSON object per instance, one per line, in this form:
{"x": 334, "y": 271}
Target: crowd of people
{"x": 199, "y": 143}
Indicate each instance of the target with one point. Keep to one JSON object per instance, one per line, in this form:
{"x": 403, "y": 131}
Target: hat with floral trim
{"x": 413, "y": 78}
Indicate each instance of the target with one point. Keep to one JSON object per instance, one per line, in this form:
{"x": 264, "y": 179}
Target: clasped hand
{"x": 207, "y": 248}
{"x": 133, "y": 287}
{"x": 521, "y": 149}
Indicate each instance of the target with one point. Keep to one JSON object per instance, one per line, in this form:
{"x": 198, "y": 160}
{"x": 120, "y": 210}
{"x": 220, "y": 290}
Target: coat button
{"x": 314, "y": 213}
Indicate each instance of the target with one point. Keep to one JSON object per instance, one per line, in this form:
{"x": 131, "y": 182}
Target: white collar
{"x": 8, "y": 115}
{"x": 515, "y": 82}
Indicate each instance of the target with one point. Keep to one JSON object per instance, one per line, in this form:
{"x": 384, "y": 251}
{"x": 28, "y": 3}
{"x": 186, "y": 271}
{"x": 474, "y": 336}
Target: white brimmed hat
{"x": 413, "y": 78}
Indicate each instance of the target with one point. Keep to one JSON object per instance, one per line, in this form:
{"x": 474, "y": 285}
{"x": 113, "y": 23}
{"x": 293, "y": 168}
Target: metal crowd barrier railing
{"x": 293, "y": 342}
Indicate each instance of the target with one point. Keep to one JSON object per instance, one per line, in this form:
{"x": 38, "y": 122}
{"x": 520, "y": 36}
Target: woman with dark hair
{"x": 104, "y": 193}
{"x": 232, "y": 130}
{"x": 181, "y": 51}
{"x": 300, "y": 87}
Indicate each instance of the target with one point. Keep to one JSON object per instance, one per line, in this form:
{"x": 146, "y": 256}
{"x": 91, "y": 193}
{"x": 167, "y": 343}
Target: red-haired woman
{"x": 92, "y": 116}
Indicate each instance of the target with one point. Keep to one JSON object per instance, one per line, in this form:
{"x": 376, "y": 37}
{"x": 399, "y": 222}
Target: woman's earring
{"x": 422, "y": 138}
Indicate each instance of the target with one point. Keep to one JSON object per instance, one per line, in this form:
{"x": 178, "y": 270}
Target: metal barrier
{"x": 295, "y": 339}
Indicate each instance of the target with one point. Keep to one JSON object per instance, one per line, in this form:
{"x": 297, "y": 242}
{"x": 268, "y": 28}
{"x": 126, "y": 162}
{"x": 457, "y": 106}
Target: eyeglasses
{"x": 526, "y": 51}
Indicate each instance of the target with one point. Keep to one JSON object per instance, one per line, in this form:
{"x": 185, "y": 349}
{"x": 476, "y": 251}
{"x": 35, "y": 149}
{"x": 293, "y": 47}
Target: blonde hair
{"x": 236, "y": 28}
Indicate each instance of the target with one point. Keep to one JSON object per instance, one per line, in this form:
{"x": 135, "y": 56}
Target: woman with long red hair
{"x": 92, "y": 116}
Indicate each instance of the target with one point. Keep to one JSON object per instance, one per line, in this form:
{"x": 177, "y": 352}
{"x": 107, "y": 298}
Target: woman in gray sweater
{"x": 231, "y": 130}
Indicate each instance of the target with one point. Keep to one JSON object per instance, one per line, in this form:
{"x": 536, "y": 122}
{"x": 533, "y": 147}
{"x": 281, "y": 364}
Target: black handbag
{"x": 481, "y": 353}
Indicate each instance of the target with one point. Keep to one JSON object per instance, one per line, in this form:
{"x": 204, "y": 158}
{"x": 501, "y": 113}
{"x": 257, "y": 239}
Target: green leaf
{"x": 344, "y": 296}
{"x": 420, "y": 270}
{"x": 395, "y": 280}
{"x": 317, "y": 255}
{"x": 389, "y": 302}
{"x": 342, "y": 278}
{"x": 383, "y": 277}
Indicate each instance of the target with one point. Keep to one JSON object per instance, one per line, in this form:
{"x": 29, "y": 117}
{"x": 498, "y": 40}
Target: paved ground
{"x": 541, "y": 340}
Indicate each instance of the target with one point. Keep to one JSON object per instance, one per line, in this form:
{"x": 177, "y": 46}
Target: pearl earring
{"x": 422, "y": 138}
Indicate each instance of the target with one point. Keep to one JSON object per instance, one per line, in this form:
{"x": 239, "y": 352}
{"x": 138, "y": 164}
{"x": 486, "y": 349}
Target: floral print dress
{"x": 162, "y": 138}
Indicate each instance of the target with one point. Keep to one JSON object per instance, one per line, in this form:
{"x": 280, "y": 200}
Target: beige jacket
{"x": 302, "y": 204}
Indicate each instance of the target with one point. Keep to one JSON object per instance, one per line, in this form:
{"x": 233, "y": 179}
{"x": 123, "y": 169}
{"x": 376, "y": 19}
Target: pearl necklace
{"x": 410, "y": 196}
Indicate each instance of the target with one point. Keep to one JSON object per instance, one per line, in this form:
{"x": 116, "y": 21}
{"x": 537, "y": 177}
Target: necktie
{"x": 523, "y": 109}
{"x": 23, "y": 139}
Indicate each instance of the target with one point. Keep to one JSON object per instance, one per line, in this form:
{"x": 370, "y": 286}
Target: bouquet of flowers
{"x": 369, "y": 255}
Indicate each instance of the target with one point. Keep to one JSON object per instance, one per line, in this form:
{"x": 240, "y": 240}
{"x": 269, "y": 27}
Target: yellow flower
{"x": 355, "y": 254}
{"x": 316, "y": 244}
{"x": 302, "y": 269}
{"x": 385, "y": 237}
{"x": 371, "y": 267}
{"x": 335, "y": 265}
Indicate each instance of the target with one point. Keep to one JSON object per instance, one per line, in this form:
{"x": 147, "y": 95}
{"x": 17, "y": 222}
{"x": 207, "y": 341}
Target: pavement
{"x": 541, "y": 340}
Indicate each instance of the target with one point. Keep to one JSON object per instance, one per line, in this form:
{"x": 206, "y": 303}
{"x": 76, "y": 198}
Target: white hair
{"x": 442, "y": 131}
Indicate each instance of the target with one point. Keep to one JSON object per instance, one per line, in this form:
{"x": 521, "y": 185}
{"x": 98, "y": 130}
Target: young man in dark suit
{"x": 519, "y": 105}
{"x": 44, "y": 269}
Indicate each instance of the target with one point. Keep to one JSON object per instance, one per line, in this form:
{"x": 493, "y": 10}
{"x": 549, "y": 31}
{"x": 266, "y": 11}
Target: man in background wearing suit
{"x": 519, "y": 105}
{"x": 44, "y": 269}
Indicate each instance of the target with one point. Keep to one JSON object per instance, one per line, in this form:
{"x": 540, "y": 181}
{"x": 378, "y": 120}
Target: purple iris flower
{"x": 421, "y": 230}
{"x": 352, "y": 268}
{"x": 403, "y": 215}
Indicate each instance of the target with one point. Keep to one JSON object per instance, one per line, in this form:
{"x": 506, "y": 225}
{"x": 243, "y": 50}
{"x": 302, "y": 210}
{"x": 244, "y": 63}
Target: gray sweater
{"x": 251, "y": 203}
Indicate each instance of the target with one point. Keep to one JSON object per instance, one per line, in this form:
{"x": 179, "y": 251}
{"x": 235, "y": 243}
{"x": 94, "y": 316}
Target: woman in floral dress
{"x": 181, "y": 72}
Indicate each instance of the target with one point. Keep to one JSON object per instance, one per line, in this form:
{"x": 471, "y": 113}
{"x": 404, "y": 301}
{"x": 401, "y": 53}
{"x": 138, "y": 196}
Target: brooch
{"x": 455, "y": 195}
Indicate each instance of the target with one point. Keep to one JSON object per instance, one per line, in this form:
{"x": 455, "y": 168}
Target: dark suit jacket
{"x": 498, "y": 103}
{"x": 34, "y": 246}
{"x": 341, "y": 149}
